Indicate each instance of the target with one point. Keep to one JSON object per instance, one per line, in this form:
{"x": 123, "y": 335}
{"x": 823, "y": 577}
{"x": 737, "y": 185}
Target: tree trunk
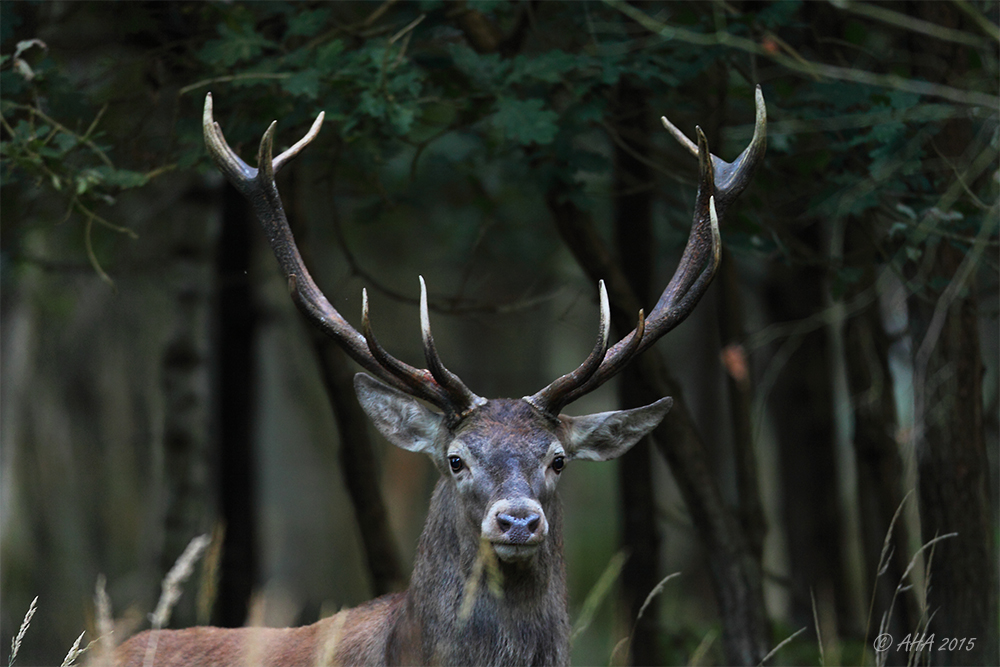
{"x": 952, "y": 465}
{"x": 802, "y": 403}
{"x": 236, "y": 373}
{"x": 633, "y": 222}
{"x": 879, "y": 466}
{"x": 185, "y": 383}
{"x": 948, "y": 375}
{"x": 739, "y": 390}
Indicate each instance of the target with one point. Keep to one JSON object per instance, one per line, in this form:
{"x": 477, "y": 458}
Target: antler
{"x": 438, "y": 385}
{"x": 720, "y": 184}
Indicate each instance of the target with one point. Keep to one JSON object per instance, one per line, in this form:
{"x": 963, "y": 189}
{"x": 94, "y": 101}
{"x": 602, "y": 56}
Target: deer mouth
{"x": 511, "y": 553}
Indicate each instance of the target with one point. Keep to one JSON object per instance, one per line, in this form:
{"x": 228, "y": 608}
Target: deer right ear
{"x": 608, "y": 435}
{"x": 402, "y": 419}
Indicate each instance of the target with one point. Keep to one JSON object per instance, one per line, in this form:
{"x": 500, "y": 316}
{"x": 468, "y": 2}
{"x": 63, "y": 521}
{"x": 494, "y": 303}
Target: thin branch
{"x": 977, "y": 17}
{"x": 62, "y": 128}
{"x": 893, "y": 81}
{"x": 233, "y": 77}
{"x": 910, "y": 23}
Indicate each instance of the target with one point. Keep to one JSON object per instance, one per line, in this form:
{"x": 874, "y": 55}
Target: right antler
{"x": 691, "y": 279}
{"x": 438, "y": 385}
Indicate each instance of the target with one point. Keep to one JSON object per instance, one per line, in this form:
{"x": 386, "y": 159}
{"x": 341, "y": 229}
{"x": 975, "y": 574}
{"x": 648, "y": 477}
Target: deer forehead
{"x": 506, "y": 430}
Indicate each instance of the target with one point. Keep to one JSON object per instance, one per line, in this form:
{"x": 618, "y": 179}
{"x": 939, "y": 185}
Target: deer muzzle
{"x": 515, "y": 528}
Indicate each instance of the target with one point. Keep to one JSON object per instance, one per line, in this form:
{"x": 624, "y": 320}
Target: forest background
{"x": 829, "y": 470}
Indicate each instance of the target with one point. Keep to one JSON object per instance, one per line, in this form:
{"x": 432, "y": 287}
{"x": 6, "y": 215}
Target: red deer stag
{"x": 499, "y": 459}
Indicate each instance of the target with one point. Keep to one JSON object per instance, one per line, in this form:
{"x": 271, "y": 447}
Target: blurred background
{"x": 829, "y": 466}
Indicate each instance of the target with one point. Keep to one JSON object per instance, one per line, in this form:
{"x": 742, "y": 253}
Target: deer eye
{"x": 558, "y": 463}
{"x": 455, "y": 463}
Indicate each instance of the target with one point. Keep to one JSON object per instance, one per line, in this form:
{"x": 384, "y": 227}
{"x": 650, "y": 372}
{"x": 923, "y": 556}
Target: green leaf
{"x": 123, "y": 178}
{"x": 308, "y": 23}
{"x": 304, "y": 83}
{"x": 485, "y": 71}
{"x": 236, "y": 44}
{"x": 547, "y": 67}
{"x": 328, "y": 56}
{"x": 65, "y": 142}
{"x": 525, "y": 121}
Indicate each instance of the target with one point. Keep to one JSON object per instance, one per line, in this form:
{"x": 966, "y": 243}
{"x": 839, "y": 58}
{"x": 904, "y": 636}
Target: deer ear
{"x": 402, "y": 419}
{"x": 608, "y": 435}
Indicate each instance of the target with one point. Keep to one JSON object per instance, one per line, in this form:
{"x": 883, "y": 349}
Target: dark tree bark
{"x": 185, "y": 382}
{"x": 952, "y": 465}
{"x": 879, "y": 466}
{"x": 948, "y": 375}
{"x": 802, "y": 403}
{"x": 235, "y": 331}
{"x": 739, "y": 392}
{"x": 634, "y": 232}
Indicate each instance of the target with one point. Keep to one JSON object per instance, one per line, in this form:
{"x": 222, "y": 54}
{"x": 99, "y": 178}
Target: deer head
{"x": 499, "y": 459}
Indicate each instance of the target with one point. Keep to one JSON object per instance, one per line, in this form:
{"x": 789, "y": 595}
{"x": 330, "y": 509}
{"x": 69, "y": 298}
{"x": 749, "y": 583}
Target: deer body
{"x": 488, "y": 584}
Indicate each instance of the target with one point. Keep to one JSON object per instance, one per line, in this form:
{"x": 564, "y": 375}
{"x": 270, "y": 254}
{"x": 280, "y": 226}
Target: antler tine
{"x": 548, "y": 400}
{"x": 259, "y": 188}
{"x": 229, "y": 163}
{"x": 416, "y": 381}
{"x": 699, "y": 261}
{"x": 460, "y": 394}
{"x": 732, "y": 177}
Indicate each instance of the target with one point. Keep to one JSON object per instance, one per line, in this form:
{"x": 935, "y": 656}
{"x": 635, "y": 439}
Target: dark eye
{"x": 455, "y": 463}
{"x": 558, "y": 463}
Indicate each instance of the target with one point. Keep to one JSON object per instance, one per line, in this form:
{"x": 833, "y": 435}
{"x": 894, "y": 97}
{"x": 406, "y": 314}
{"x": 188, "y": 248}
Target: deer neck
{"x": 519, "y": 609}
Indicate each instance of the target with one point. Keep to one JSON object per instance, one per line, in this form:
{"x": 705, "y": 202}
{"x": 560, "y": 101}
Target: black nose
{"x": 518, "y": 529}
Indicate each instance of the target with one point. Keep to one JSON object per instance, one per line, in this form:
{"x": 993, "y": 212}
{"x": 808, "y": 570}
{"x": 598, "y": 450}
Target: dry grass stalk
{"x": 75, "y": 652}
{"x": 331, "y": 640}
{"x": 598, "y": 592}
{"x": 105, "y": 622}
{"x": 780, "y": 646}
{"x": 626, "y": 643}
{"x": 172, "y": 590}
{"x": 15, "y": 644}
{"x": 702, "y": 649}
{"x": 486, "y": 561}
{"x": 175, "y": 578}
{"x": 209, "y": 585}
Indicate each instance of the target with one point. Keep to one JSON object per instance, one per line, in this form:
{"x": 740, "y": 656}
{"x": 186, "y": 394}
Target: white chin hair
{"x": 514, "y": 552}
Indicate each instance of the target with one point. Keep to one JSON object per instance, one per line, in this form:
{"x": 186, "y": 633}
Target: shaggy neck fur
{"x": 525, "y": 622}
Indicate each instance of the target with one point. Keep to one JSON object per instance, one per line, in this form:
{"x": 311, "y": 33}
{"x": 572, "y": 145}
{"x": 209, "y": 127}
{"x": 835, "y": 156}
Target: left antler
{"x": 720, "y": 184}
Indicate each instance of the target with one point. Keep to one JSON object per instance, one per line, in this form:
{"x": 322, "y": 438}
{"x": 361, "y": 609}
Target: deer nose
{"x": 518, "y": 529}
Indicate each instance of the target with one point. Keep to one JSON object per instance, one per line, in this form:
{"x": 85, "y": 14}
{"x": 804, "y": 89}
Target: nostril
{"x": 506, "y": 521}
{"x": 518, "y": 529}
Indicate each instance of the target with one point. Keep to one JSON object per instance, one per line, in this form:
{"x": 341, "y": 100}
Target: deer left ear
{"x": 608, "y": 435}
{"x": 402, "y": 419}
